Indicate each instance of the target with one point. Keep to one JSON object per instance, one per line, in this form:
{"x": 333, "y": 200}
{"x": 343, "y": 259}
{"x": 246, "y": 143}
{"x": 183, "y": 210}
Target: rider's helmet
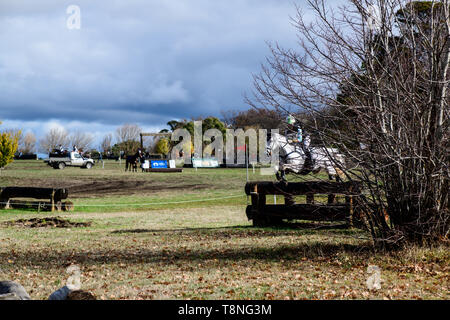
{"x": 290, "y": 120}
{"x": 291, "y": 123}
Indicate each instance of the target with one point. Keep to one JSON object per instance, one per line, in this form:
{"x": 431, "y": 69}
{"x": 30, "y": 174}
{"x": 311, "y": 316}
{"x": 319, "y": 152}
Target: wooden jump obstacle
{"x": 164, "y": 170}
{"x": 151, "y": 134}
{"x": 54, "y": 197}
{"x": 264, "y": 214}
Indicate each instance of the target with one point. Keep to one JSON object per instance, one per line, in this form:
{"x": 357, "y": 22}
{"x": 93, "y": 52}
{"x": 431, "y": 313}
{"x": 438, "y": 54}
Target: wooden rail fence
{"x": 54, "y": 197}
{"x": 264, "y": 214}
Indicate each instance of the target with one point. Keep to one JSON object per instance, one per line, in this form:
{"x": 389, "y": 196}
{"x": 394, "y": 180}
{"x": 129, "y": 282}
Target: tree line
{"x": 125, "y": 140}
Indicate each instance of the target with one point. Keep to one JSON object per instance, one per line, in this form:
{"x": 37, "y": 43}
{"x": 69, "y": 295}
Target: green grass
{"x": 218, "y": 186}
{"x": 198, "y": 250}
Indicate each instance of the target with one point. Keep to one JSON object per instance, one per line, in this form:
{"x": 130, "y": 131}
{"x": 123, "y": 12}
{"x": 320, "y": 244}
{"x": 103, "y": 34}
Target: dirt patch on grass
{"x": 49, "y": 222}
{"x": 125, "y": 187}
{"x": 86, "y": 187}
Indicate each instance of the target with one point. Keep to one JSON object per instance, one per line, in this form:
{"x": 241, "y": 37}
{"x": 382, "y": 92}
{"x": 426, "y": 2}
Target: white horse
{"x": 293, "y": 158}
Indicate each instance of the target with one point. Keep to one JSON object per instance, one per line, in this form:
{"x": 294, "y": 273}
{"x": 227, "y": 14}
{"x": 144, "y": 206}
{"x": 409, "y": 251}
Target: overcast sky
{"x": 135, "y": 61}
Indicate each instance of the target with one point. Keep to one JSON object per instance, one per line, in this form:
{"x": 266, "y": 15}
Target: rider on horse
{"x": 295, "y": 134}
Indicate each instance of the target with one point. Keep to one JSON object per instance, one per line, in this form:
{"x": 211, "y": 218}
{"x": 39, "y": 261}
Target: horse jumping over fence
{"x": 293, "y": 159}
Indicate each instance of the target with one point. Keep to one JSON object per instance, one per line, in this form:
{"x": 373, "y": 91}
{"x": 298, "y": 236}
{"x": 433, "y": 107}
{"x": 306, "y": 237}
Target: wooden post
{"x": 349, "y": 202}
{"x": 254, "y": 189}
{"x": 331, "y": 198}
{"x": 289, "y": 200}
{"x": 4, "y": 200}
{"x": 257, "y": 219}
{"x": 52, "y": 201}
{"x": 310, "y": 198}
{"x": 4, "y": 203}
{"x": 261, "y": 201}
{"x": 255, "y": 200}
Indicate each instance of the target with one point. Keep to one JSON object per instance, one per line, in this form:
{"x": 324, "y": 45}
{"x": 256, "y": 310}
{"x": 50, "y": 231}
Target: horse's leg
{"x": 330, "y": 170}
{"x": 288, "y": 198}
{"x": 277, "y": 175}
{"x": 283, "y": 175}
{"x": 331, "y": 174}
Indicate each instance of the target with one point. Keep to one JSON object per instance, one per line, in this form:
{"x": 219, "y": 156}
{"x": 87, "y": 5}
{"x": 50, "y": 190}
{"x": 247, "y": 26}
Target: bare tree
{"x": 53, "y": 139}
{"x": 150, "y": 144}
{"x": 106, "y": 143}
{"x": 128, "y": 132}
{"x": 374, "y": 76}
{"x": 81, "y": 140}
{"x": 128, "y": 137}
{"x": 28, "y": 145}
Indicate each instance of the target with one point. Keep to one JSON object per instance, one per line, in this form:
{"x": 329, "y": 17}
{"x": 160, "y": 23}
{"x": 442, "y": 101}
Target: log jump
{"x": 264, "y": 214}
{"x": 54, "y": 197}
{"x": 163, "y": 170}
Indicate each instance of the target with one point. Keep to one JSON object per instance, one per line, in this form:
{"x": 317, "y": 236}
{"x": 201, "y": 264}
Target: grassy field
{"x": 160, "y": 236}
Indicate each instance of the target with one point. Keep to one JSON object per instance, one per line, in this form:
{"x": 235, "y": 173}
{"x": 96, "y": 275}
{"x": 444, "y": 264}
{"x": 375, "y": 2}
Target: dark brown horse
{"x": 131, "y": 163}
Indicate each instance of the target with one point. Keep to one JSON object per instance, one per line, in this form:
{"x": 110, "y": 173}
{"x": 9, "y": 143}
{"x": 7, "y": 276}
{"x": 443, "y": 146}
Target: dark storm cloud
{"x": 144, "y": 61}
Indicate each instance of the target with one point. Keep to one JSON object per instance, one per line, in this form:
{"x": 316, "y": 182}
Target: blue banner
{"x": 159, "y": 164}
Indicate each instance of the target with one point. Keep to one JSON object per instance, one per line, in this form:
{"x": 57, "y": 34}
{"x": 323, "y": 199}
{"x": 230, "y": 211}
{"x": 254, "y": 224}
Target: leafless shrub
{"x": 54, "y": 138}
{"x": 28, "y": 144}
{"x": 128, "y": 137}
{"x": 82, "y": 140}
{"x": 128, "y": 132}
{"x": 373, "y": 76}
{"x": 106, "y": 143}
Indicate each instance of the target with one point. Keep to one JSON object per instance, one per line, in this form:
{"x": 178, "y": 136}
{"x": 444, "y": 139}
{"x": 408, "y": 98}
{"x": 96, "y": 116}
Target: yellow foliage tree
{"x": 163, "y": 146}
{"x": 189, "y": 146}
{"x": 8, "y": 147}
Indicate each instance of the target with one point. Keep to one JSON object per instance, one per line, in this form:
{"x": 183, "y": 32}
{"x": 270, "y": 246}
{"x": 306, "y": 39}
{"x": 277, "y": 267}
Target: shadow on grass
{"x": 283, "y": 229}
{"x": 177, "y": 230}
{"x": 206, "y": 256}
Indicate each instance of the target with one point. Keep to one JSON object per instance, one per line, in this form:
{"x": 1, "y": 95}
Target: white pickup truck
{"x": 74, "y": 159}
